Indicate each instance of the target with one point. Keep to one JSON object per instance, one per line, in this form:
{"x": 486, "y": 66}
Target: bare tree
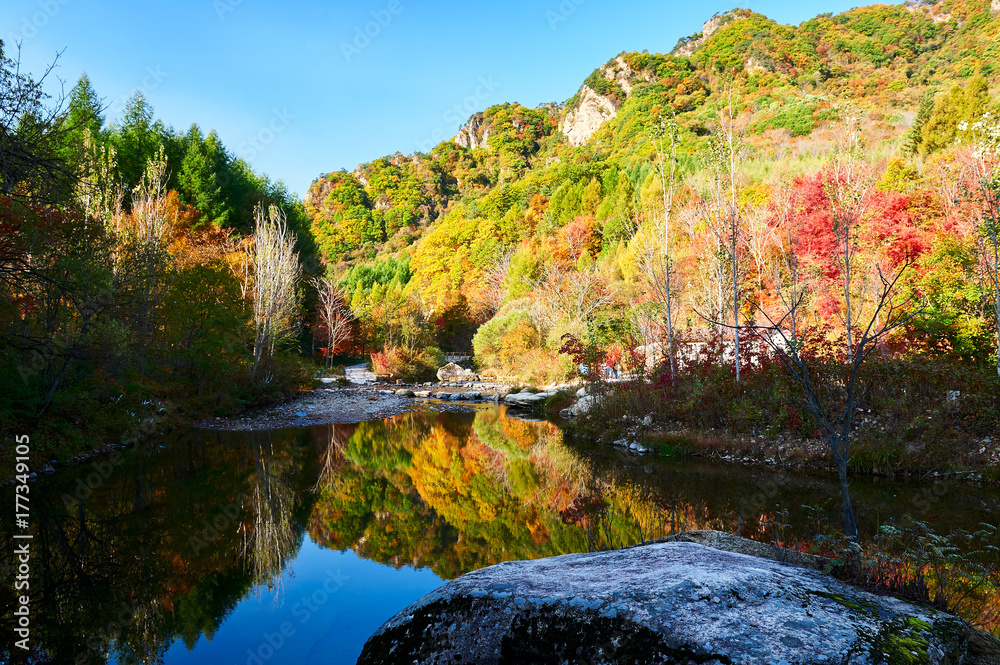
{"x": 762, "y": 238}
{"x": 847, "y": 192}
{"x": 708, "y": 290}
{"x": 495, "y": 282}
{"x": 660, "y": 265}
{"x": 725, "y": 157}
{"x": 574, "y": 294}
{"x": 333, "y": 313}
{"x": 984, "y": 190}
{"x": 147, "y": 238}
{"x": 269, "y": 537}
{"x": 275, "y": 277}
{"x": 833, "y": 401}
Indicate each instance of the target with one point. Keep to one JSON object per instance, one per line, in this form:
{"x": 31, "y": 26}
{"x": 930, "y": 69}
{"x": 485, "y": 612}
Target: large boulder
{"x": 453, "y": 372}
{"x": 668, "y": 602}
{"x": 526, "y": 400}
{"x": 582, "y": 406}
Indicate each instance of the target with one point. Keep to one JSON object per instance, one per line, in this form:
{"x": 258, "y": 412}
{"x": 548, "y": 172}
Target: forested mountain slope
{"x": 525, "y": 204}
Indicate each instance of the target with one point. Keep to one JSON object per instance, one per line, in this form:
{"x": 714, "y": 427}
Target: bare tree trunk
{"x": 725, "y": 159}
{"x": 736, "y": 303}
{"x": 668, "y": 130}
{"x": 848, "y": 522}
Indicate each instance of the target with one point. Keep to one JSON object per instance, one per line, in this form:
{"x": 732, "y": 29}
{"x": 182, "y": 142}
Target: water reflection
{"x": 269, "y": 534}
{"x": 175, "y": 537}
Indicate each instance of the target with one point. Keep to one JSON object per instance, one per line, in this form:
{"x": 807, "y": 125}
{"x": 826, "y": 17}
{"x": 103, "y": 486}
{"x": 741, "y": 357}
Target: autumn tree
{"x": 333, "y": 315}
{"x": 275, "y": 275}
{"x": 984, "y": 192}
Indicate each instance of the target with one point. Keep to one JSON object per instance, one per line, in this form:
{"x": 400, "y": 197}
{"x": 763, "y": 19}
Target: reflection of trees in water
{"x": 270, "y": 536}
{"x": 331, "y": 439}
{"x": 158, "y": 548}
{"x": 458, "y": 492}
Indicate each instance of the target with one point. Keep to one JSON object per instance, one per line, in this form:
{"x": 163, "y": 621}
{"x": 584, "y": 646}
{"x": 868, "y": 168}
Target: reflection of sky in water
{"x": 328, "y": 633}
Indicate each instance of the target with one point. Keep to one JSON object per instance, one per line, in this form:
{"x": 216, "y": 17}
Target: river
{"x": 294, "y": 545}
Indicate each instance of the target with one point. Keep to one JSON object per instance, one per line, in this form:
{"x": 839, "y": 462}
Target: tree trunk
{"x": 736, "y": 307}
{"x": 847, "y": 520}
{"x": 996, "y": 305}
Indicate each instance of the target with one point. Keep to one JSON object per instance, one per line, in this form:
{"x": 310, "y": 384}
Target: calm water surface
{"x": 293, "y": 546}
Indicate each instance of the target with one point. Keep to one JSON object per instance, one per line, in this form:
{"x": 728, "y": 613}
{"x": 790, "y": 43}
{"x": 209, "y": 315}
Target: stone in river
{"x": 667, "y": 602}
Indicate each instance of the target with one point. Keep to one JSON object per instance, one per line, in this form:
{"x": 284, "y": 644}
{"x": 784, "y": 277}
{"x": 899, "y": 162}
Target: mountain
{"x": 528, "y": 183}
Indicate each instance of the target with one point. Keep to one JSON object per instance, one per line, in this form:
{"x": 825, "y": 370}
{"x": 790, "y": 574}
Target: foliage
{"x": 126, "y": 305}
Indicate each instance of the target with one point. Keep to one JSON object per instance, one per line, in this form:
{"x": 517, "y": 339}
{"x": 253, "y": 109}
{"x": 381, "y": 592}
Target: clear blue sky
{"x": 291, "y": 87}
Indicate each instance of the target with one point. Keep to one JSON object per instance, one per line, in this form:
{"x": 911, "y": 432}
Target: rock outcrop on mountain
{"x": 687, "y": 47}
{"x": 581, "y": 122}
{"x": 475, "y": 134}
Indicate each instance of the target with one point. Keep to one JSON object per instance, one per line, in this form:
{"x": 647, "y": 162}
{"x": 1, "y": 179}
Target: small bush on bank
{"x": 559, "y": 401}
{"x": 957, "y": 573}
{"x": 396, "y": 362}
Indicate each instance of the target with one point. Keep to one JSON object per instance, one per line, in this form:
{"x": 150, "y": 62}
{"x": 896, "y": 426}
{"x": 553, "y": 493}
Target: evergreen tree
{"x": 914, "y": 136}
{"x": 83, "y": 117}
{"x": 135, "y": 140}
{"x": 198, "y": 177}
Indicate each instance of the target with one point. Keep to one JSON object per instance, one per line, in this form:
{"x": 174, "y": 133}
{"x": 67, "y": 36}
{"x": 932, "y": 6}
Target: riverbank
{"x": 358, "y": 397}
{"x": 909, "y": 421}
{"x": 976, "y": 461}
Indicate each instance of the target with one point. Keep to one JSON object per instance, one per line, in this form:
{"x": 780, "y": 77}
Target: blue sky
{"x": 300, "y": 88}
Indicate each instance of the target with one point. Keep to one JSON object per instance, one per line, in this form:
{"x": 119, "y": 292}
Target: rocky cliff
{"x": 686, "y": 47}
{"x": 591, "y": 109}
{"x": 581, "y": 122}
{"x": 475, "y": 134}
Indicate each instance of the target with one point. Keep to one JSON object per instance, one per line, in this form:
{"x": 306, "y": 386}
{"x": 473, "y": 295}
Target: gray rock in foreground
{"x": 674, "y": 602}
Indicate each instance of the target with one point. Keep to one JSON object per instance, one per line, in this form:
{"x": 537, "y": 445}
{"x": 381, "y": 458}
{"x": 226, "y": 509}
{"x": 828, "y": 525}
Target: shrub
{"x": 395, "y": 362}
